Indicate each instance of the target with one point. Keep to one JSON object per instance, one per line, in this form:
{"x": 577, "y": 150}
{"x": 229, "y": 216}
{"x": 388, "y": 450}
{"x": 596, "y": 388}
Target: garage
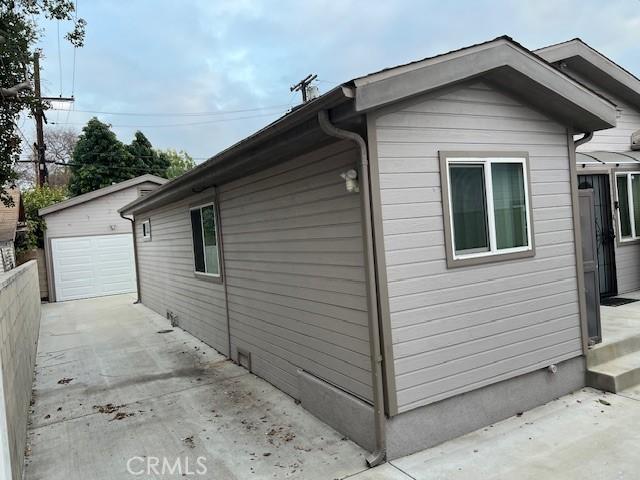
{"x": 93, "y": 266}
{"x": 89, "y": 247}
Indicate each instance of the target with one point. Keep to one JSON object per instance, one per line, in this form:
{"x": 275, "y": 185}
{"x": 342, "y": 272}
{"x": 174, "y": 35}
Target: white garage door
{"x": 85, "y": 267}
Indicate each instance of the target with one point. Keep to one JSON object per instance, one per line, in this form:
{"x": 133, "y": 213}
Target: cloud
{"x": 166, "y": 56}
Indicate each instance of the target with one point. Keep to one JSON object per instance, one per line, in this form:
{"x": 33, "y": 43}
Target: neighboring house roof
{"x": 594, "y": 66}
{"x": 501, "y": 61}
{"x": 72, "y": 202}
{"x": 11, "y": 218}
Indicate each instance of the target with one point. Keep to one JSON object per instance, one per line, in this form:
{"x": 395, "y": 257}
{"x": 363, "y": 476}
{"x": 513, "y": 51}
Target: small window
{"x": 487, "y": 207}
{"x": 628, "y": 188}
{"x": 146, "y": 230}
{"x": 205, "y": 240}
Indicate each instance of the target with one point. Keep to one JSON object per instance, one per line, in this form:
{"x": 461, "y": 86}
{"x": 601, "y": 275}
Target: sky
{"x": 232, "y": 62}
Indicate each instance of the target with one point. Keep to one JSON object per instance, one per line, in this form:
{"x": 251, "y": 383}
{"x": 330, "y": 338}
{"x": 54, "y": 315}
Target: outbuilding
{"x": 89, "y": 246}
{"x": 400, "y": 254}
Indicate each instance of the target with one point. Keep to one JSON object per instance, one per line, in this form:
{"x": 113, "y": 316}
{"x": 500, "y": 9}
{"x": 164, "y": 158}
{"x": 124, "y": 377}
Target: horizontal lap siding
{"x": 167, "y": 281}
{"x": 95, "y": 217}
{"x": 455, "y": 330}
{"x": 295, "y": 273}
{"x": 617, "y": 139}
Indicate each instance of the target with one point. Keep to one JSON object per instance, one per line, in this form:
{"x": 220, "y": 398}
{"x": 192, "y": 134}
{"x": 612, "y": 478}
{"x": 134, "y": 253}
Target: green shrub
{"x": 34, "y": 199}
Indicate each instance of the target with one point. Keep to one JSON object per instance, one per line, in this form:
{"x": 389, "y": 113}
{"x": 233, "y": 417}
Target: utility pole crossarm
{"x": 302, "y": 85}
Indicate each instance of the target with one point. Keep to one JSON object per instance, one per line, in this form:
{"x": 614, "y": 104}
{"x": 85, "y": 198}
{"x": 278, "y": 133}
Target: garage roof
{"x": 72, "y": 202}
{"x": 501, "y": 61}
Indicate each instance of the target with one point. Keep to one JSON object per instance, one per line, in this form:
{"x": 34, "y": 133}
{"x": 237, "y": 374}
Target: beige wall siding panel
{"x": 167, "y": 281}
{"x": 455, "y": 330}
{"x": 95, "y": 217}
{"x": 295, "y": 271}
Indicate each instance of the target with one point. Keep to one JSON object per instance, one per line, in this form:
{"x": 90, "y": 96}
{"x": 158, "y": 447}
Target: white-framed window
{"x": 628, "y": 195}
{"x": 487, "y": 206}
{"x": 146, "y": 230}
{"x": 204, "y": 228}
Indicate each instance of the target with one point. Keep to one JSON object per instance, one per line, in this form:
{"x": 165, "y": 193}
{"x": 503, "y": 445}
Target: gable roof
{"x": 11, "y": 217}
{"x": 502, "y": 61}
{"x": 72, "y": 202}
{"x": 594, "y": 66}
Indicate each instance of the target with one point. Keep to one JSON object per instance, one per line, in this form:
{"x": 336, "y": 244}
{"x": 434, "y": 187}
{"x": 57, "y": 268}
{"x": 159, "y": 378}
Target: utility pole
{"x": 41, "y": 166}
{"x": 302, "y": 86}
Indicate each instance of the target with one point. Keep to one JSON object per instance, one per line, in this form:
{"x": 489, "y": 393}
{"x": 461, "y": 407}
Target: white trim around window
{"x": 146, "y": 230}
{"x": 485, "y": 247}
{"x": 205, "y": 272}
{"x": 626, "y": 208}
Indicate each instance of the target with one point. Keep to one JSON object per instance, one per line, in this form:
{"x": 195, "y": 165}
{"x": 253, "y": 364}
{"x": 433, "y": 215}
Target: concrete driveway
{"x": 114, "y": 397}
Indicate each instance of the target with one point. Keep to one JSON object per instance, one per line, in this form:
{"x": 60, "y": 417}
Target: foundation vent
{"x": 244, "y": 358}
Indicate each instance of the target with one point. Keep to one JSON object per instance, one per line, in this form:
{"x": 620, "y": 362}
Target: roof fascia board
{"x": 80, "y": 199}
{"x": 577, "y": 48}
{"x": 395, "y": 85}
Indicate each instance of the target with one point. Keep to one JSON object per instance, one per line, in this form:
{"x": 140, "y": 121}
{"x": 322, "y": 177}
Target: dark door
{"x": 605, "y": 233}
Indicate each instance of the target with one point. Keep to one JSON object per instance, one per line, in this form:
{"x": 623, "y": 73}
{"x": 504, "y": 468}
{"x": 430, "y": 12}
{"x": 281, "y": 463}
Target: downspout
{"x": 577, "y": 235}
{"x": 135, "y": 254}
{"x": 379, "y": 455}
{"x": 587, "y": 137}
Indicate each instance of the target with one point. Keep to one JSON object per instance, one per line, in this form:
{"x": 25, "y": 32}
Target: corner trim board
{"x": 389, "y": 376}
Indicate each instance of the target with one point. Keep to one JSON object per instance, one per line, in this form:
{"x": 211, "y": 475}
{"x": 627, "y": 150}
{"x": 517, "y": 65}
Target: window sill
{"x": 632, "y": 241}
{"x": 208, "y": 277}
{"x": 498, "y": 257}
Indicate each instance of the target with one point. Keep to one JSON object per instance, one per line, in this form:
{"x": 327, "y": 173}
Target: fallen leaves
{"x": 64, "y": 381}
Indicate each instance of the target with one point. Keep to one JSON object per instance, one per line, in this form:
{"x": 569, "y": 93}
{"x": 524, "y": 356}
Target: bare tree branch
{"x": 15, "y": 90}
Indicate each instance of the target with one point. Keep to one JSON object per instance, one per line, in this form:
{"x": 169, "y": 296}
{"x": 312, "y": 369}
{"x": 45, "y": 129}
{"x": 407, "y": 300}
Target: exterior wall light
{"x": 351, "y": 181}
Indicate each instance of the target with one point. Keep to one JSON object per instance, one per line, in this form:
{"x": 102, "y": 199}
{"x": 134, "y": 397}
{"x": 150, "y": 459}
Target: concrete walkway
{"x": 589, "y": 434}
{"x": 110, "y": 387}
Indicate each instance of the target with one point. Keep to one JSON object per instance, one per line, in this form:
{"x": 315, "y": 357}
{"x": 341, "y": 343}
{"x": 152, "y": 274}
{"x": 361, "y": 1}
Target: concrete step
{"x": 606, "y": 352}
{"x": 617, "y": 374}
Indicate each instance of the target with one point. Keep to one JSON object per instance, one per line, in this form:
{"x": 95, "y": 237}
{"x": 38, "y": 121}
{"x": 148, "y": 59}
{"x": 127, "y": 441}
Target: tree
{"x": 145, "y": 158}
{"x": 60, "y": 145}
{"x": 99, "y": 160}
{"x": 18, "y": 35}
{"x": 179, "y": 162}
{"x": 34, "y": 199}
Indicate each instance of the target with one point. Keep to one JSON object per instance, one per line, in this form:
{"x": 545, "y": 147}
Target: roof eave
{"x": 596, "y": 67}
{"x": 583, "y": 109}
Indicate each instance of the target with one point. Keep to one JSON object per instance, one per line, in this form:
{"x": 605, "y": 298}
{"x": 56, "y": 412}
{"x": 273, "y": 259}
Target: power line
{"x": 59, "y": 58}
{"x": 208, "y": 122}
{"x": 180, "y": 114}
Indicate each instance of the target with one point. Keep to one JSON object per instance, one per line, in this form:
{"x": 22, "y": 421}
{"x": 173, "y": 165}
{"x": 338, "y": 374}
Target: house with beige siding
{"x": 609, "y": 163}
{"x": 401, "y": 254}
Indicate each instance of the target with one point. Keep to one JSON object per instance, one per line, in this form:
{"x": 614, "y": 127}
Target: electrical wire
{"x": 208, "y": 122}
{"x": 180, "y": 114}
{"x": 59, "y": 58}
